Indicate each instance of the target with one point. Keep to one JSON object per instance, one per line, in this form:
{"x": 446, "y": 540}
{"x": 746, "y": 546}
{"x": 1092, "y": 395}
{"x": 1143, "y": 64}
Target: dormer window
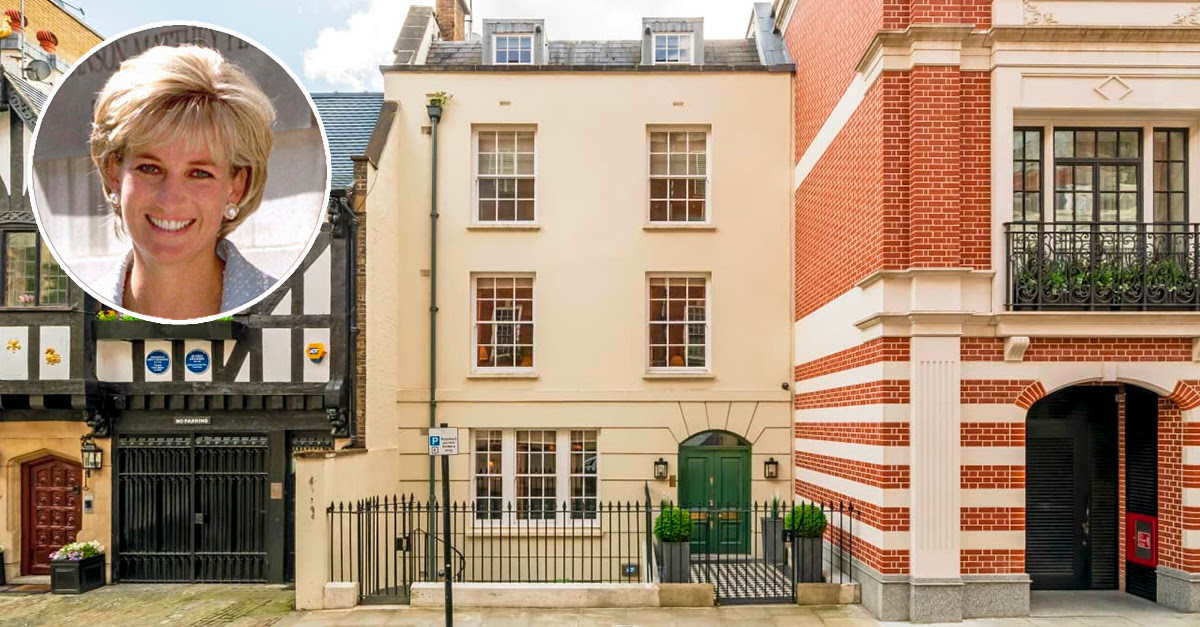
{"x": 673, "y": 48}
{"x": 514, "y": 49}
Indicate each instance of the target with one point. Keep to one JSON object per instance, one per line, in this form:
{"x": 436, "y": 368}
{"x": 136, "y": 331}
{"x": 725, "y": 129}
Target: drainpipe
{"x": 435, "y": 116}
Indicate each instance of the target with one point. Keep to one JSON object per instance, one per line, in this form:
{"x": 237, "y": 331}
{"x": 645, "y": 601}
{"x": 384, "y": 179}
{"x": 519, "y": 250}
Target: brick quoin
{"x": 872, "y": 352}
{"x": 887, "y": 476}
{"x": 867, "y": 433}
{"x": 935, "y": 137}
{"x": 1001, "y": 391}
{"x": 992, "y": 561}
{"x": 875, "y": 392}
{"x": 992, "y": 434}
{"x": 1075, "y": 349}
{"x": 881, "y": 518}
{"x": 898, "y": 14}
{"x": 992, "y": 477}
{"x": 886, "y": 561}
{"x": 992, "y": 519}
{"x": 1171, "y": 482}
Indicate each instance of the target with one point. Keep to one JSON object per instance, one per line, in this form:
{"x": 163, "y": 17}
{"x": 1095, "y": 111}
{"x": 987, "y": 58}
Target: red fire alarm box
{"x": 1141, "y": 539}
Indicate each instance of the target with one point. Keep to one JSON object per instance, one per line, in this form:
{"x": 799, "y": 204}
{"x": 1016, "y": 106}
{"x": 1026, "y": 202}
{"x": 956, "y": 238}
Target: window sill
{"x": 683, "y": 226}
{"x": 530, "y": 374}
{"x": 679, "y": 375}
{"x": 531, "y": 226}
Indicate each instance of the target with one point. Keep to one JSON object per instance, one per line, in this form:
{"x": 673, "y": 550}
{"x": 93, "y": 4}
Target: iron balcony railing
{"x": 1102, "y": 266}
{"x": 747, "y": 552}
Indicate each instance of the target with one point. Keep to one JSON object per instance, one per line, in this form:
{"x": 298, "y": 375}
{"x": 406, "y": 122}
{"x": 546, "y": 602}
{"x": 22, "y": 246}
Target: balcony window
{"x": 31, "y": 276}
{"x": 1100, "y": 248}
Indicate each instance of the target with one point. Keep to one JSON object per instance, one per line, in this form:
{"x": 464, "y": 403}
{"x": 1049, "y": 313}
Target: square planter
{"x": 677, "y": 562}
{"x": 806, "y": 560}
{"x": 773, "y": 551}
{"x": 77, "y": 577}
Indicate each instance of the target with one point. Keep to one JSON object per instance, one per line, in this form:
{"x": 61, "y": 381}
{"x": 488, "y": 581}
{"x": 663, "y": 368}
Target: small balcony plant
{"x": 110, "y": 325}
{"x": 674, "y": 532}
{"x": 77, "y": 567}
{"x": 805, "y": 524}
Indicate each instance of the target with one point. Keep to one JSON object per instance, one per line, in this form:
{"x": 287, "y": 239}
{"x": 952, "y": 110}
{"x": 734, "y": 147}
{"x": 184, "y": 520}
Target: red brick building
{"x": 997, "y": 286}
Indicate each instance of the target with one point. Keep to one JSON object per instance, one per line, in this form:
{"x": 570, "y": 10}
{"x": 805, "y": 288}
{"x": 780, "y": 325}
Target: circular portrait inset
{"x": 180, "y": 173}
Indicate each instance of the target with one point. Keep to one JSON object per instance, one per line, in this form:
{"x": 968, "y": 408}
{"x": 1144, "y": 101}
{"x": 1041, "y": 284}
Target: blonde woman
{"x": 181, "y": 138}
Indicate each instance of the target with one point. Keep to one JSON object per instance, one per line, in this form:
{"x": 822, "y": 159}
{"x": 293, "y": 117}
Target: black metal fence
{"x": 752, "y": 553}
{"x": 1103, "y": 265}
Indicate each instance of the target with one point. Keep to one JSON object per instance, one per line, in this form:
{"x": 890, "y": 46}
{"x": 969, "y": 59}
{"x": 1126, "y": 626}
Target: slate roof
{"x": 607, "y": 53}
{"x": 349, "y": 119}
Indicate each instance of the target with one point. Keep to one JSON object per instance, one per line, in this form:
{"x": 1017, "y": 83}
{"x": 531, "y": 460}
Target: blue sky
{"x": 336, "y": 45}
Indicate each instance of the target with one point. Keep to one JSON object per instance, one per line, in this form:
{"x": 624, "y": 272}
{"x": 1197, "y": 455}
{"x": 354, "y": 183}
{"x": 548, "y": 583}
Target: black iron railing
{"x": 749, "y": 553}
{"x": 1102, "y": 266}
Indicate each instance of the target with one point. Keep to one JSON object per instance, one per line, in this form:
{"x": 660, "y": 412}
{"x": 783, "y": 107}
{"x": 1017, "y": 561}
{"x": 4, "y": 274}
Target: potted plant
{"x": 437, "y": 101}
{"x": 674, "y": 532}
{"x": 77, "y": 568}
{"x": 805, "y": 525}
{"x": 772, "y": 535}
{"x": 110, "y": 325}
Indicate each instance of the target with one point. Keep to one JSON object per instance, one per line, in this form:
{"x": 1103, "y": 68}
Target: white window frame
{"x": 496, "y": 37}
{"x": 707, "y": 222}
{"x": 476, "y": 222}
{"x": 562, "y": 483}
{"x": 707, "y": 369}
{"x": 691, "y": 37}
{"x": 518, "y": 371}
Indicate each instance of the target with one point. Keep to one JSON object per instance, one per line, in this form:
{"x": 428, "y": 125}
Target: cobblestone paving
{"x": 126, "y": 605}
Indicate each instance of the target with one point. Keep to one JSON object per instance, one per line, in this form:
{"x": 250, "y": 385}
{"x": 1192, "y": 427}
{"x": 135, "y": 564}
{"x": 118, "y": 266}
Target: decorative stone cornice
{"x": 1191, "y": 18}
{"x": 1035, "y": 15}
{"x": 1094, "y": 34}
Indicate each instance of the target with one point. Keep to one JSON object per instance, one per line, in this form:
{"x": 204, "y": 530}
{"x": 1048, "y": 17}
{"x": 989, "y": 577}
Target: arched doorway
{"x": 714, "y": 470}
{"x": 51, "y": 509}
{"x": 1072, "y": 472}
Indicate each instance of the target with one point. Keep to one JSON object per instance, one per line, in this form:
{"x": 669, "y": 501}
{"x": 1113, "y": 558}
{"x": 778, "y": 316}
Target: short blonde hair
{"x": 186, "y": 91}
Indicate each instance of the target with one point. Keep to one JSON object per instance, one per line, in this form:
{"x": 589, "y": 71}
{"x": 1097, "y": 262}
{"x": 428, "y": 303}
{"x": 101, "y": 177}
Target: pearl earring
{"x": 114, "y": 200}
{"x": 231, "y": 211}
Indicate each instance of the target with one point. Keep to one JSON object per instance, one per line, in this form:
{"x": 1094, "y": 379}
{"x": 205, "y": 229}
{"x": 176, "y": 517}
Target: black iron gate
{"x": 192, "y": 508}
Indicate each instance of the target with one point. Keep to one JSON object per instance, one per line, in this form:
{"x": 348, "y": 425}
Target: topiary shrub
{"x": 673, "y": 525}
{"x": 805, "y": 521}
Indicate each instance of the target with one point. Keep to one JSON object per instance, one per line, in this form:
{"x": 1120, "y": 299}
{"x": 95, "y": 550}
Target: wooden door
{"x": 51, "y": 511}
{"x": 716, "y": 487}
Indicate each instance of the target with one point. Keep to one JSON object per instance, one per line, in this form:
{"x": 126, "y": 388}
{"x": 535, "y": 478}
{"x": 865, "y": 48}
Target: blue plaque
{"x": 158, "y": 361}
{"x": 196, "y": 361}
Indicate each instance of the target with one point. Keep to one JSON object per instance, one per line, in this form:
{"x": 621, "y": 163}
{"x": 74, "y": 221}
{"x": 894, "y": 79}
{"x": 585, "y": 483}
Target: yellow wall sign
{"x": 316, "y": 352}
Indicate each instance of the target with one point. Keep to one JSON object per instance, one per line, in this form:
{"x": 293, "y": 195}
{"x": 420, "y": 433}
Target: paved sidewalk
{"x": 1050, "y": 609}
{"x": 128, "y": 605}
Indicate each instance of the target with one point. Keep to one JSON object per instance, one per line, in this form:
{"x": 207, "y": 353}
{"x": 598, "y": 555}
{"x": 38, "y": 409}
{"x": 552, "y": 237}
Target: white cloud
{"x": 349, "y": 56}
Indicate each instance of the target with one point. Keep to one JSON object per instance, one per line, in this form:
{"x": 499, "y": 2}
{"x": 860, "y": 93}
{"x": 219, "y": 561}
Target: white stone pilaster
{"x": 934, "y": 472}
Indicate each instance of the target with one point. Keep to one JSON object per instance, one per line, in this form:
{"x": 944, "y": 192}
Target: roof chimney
{"x": 451, "y": 18}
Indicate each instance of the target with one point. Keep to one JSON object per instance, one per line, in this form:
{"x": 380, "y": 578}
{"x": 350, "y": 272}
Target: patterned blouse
{"x": 241, "y": 283}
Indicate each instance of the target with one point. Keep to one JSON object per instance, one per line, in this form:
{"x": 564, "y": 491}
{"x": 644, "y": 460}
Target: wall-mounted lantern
{"x": 661, "y": 468}
{"x": 93, "y": 457}
{"x": 771, "y": 469}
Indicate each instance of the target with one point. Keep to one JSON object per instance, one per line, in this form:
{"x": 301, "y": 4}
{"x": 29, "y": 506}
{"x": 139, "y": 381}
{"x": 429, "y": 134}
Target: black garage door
{"x": 192, "y": 508}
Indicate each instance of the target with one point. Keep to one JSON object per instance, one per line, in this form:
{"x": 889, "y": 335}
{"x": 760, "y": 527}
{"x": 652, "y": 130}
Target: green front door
{"x": 715, "y": 487}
